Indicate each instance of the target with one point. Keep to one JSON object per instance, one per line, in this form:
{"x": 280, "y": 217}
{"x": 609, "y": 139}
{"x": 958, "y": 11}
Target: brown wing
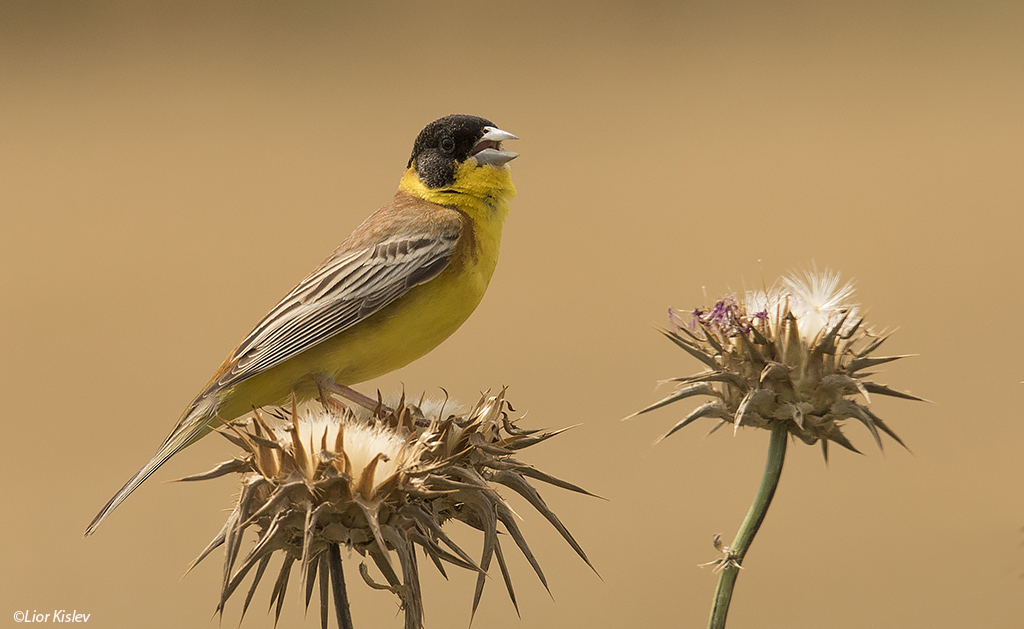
{"x": 393, "y": 251}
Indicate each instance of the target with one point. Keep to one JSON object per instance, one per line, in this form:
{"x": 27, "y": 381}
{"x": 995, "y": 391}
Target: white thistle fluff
{"x": 816, "y": 299}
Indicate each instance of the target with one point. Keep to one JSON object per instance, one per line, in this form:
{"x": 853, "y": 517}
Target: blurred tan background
{"x": 168, "y": 172}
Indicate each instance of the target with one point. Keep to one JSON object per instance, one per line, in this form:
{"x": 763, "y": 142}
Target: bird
{"x": 398, "y": 286}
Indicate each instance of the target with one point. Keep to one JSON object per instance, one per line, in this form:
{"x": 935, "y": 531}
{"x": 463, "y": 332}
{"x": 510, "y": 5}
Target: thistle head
{"x": 796, "y": 352}
{"x": 317, "y": 479}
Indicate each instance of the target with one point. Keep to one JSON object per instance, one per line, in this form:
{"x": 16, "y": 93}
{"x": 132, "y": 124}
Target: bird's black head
{"x": 449, "y": 141}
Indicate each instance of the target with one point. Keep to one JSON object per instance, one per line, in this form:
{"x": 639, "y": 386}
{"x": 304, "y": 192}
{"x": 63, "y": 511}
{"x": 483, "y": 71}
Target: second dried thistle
{"x": 791, "y": 359}
{"x": 795, "y": 353}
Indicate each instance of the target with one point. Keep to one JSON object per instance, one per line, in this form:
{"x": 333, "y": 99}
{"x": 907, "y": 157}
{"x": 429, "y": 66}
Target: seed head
{"x": 796, "y": 352}
{"x": 316, "y": 479}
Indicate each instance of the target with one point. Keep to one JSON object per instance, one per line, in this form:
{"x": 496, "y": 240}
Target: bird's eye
{"x": 447, "y": 144}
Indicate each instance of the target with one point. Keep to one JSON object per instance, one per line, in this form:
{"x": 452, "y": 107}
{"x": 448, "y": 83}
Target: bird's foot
{"x": 330, "y": 386}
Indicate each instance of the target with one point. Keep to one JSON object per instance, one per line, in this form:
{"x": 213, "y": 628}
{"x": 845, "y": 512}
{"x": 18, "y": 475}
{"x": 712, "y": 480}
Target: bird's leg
{"x": 329, "y": 402}
{"x": 352, "y": 395}
{"x": 327, "y": 384}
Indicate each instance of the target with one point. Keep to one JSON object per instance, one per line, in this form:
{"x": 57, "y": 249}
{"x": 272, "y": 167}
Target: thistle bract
{"x": 796, "y": 353}
{"x": 316, "y": 479}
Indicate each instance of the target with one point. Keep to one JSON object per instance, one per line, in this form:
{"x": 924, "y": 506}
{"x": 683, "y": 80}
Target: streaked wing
{"x": 349, "y": 287}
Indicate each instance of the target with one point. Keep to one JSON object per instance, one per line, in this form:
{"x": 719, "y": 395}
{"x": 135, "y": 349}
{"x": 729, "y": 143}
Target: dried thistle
{"x": 314, "y": 480}
{"x": 795, "y": 353}
{"x": 791, "y": 359}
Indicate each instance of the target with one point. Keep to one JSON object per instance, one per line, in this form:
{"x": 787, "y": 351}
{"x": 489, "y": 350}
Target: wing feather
{"x": 349, "y": 287}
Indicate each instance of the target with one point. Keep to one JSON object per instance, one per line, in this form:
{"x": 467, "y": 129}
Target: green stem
{"x": 745, "y": 536}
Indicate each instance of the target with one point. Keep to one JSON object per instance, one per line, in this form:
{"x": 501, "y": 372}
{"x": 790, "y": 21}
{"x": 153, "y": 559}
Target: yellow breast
{"x": 418, "y": 321}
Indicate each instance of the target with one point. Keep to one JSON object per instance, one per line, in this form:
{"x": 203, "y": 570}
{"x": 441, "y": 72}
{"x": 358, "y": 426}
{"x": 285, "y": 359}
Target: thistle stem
{"x": 341, "y": 606}
{"x": 745, "y": 536}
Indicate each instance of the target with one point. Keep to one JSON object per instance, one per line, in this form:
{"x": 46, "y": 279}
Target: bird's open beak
{"x": 487, "y": 150}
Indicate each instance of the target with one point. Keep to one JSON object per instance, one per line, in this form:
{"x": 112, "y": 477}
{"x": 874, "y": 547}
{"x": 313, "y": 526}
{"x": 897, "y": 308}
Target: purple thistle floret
{"x": 726, "y": 317}
{"x": 695, "y": 316}
{"x": 723, "y": 314}
{"x": 674, "y": 319}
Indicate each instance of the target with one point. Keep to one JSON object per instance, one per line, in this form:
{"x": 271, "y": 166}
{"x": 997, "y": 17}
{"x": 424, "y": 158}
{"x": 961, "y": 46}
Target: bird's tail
{"x": 194, "y": 425}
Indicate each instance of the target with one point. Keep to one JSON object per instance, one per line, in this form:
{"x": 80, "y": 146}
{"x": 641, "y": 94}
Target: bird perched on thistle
{"x": 401, "y": 283}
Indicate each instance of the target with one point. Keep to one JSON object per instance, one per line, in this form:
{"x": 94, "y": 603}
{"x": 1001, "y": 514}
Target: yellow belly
{"x": 398, "y": 334}
{"x": 412, "y": 325}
